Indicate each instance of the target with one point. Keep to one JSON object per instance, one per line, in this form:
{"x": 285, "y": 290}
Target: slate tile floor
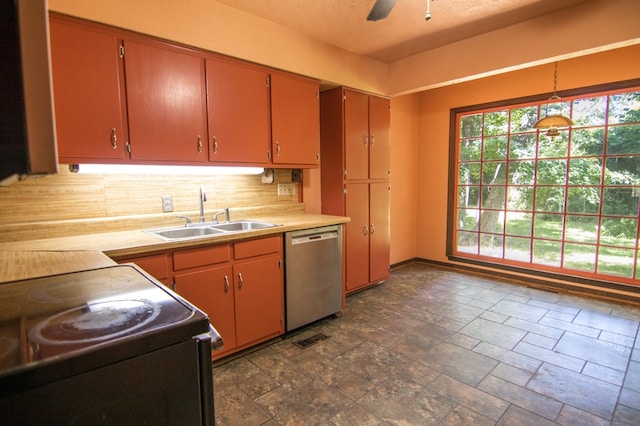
{"x": 432, "y": 346}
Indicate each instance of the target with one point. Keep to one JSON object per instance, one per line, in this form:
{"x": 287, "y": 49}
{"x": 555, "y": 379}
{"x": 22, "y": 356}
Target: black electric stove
{"x": 72, "y": 345}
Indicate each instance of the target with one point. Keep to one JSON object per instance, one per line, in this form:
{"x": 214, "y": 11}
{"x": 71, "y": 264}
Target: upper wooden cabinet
{"x": 166, "y": 102}
{"x": 295, "y": 120}
{"x": 88, "y": 84}
{"x": 366, "y": 136}
{"x": 238, "y": 112}
{"x": 124, "y": 97}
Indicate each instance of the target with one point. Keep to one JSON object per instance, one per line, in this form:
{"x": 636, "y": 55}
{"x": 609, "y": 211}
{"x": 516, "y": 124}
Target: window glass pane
{"x": 491, "y": 245}
{"x": 587, "y": 142}
{"x": 622, "y": 171}
{"x": 553, "y": 147}
{"x": 618, "y": 231}
{"x": 583, "y": 200}
{"x": 549, "y": 199}
{"x": 624, "y": 139}
{"x": 494, "y": 173}
{"x": 580, "y": 256}
{"x": 523, "y": 119}
{"x": 523, "y": 146}
{"x": 520, "y": 198}
{"x": 546, "y": 252}
{"x": 467, "y": 242}
{"x": 585, "y": 171}
{"x": 551, "y": 172}
{"x": 492, "y": 221}
{"x": 470, "y": 149}
{"x": 496, "y": 123}
{"x": 583, "y": 229}
{"x": 615, "y": 261}
{"x": 495, "y": 148}
{"x": 493, "y": 197}
{"x": 549, "y": 226}
{"x": 624, "y": 108}
{"x": 468, "y": 219}
{"x": 469, "y": 173}
{"x": 620, "y": 202}
{"x": 518, "y": 224}
{"x": 522, "y": 172}
{"x": 589, "y": 111}
{"x": 469, "y": 196}
{"x": 518, "y": 249}
{"x": 471, "y": 126}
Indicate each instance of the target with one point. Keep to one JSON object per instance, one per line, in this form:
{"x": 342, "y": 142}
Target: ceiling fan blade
{"x": 380, "y": 9}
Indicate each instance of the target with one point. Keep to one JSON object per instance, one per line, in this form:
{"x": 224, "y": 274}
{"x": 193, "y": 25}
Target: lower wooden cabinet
{"x": 240, "y": 286}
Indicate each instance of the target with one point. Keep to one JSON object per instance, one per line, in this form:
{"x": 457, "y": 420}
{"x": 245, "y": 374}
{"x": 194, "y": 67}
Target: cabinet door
{"x": 211, "y": 290}
{"x": 379, "y": 122}
{"x": 356, "y": 135}
{"x": 295, "y": 120}
{"x": 259, "y": 293}
{"x": 357, "y": 235}
{"x": 88, "y": 92}
{"x": 379, "y": 231}
{"x": 238, "y": 112}
{"x": 166, "y": 102}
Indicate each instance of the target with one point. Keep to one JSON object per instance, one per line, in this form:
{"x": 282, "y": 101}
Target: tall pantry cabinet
{"x": 354, "y": 147}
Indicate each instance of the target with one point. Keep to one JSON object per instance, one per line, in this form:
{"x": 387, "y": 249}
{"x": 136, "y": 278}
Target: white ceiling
{"x": 404, "y": 32}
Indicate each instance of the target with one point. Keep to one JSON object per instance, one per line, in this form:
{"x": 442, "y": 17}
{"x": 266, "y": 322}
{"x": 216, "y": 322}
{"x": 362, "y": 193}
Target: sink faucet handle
{"x": 227, "y": 217}
{"x": 187, "y": 220}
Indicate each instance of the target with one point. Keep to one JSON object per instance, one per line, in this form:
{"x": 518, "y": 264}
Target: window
{"x": 566, "y": 205}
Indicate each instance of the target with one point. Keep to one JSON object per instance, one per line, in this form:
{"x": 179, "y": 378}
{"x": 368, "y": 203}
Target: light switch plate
{"x": 167, "y": 203}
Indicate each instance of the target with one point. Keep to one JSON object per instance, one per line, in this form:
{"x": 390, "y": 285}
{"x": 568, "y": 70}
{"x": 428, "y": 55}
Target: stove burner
{"x": 95, "y": 322}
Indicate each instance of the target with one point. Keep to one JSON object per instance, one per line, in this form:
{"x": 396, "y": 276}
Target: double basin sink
{"x": 208, "y": 229}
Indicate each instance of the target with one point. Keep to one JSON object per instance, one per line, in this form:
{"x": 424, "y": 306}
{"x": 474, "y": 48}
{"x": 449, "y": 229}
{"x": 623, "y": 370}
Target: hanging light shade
{"x": 553, "y": 122}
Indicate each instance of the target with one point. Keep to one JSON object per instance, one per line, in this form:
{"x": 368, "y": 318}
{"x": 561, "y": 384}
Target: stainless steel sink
{"x": 243, "y": 225}
{"x": 185, "y": 233}
{"x": 208, "y": 229}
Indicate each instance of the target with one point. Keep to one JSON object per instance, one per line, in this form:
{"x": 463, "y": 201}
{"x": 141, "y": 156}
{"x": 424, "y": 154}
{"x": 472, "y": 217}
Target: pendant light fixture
{"x": 552, "y": 123}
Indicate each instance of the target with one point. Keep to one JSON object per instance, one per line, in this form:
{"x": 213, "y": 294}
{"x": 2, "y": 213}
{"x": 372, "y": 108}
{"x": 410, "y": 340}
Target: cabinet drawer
{"x": 156, "y": 265}
{"x": 245, "y": 249}
{"x": 192, "y": 258}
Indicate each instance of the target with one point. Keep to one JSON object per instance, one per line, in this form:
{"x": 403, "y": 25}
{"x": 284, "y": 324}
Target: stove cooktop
{"x": 58, "y": 316}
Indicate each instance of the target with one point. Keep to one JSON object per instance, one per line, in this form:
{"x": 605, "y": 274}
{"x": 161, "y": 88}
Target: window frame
{"x": 502, "y": 263}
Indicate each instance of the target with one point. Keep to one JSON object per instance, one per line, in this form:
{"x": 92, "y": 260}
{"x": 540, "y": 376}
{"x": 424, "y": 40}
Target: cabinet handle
{"x": 215, "y": 144}
{"x": 365, "y": 230}
{"x": 241, "y": 283}
{"x": 114, "y": 138}
{"x": 277, "y": 149}
{"x": 365, "y": 140}
{"x": 372, "y": 140}
{"x": 199, "y": 144}
{"x": 226, "y": 283}
{"x": 373, "y": 228}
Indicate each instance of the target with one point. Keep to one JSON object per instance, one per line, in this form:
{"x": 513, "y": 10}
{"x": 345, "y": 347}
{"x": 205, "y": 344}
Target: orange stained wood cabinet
{"x": 240, "y": 287}
{"x": 238, "y": 112}
{"x": 295, "y": 120}
{"x": 354, "y": 179}
{"x": 157, "y": 265}
{"x": 88, "y": 83}
{"x": 166, "y": 102}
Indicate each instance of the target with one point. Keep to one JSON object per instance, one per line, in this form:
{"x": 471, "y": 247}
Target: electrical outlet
{"x": 287, "y": 189}
{"x": 167, "y": 203}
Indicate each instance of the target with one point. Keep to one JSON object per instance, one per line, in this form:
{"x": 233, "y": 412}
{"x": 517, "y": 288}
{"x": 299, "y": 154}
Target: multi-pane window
{"x": 567, "y": 204}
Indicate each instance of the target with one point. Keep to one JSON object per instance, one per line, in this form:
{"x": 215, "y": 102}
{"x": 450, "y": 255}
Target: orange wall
{"x": 435, "y": 105}
{"x": 404, "y": 179}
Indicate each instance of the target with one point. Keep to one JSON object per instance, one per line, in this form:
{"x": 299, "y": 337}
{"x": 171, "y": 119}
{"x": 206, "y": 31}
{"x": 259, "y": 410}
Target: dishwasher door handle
{"x": 312, "y": 238}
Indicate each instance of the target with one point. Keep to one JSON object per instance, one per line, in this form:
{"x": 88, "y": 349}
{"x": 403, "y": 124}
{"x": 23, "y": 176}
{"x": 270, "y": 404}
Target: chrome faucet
{"x": 225, "y": 211}
{"x": 203, "y": 198}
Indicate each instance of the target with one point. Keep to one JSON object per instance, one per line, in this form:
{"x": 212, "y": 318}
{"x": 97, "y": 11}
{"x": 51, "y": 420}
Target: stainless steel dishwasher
{"x": 313, "y": 274}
